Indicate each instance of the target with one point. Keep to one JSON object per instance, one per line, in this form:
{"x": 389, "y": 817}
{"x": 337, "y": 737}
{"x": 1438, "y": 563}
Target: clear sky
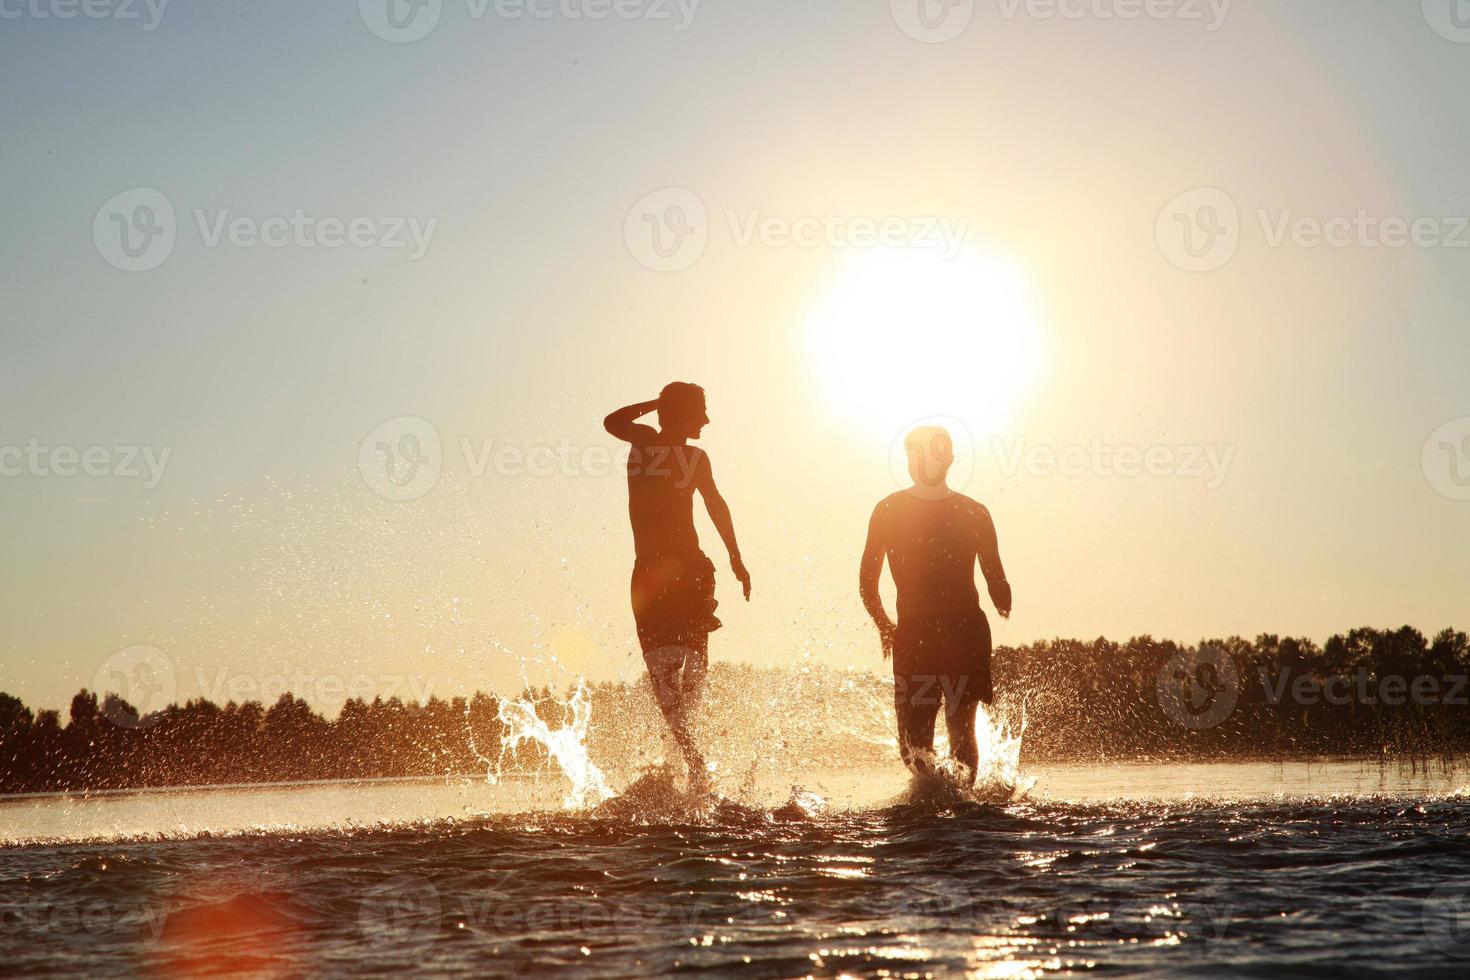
{"x": 1045, "y": 284}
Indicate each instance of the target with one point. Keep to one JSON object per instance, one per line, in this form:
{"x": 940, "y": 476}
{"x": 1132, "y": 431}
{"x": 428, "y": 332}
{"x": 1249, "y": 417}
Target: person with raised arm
{"x": 673, "y": 586}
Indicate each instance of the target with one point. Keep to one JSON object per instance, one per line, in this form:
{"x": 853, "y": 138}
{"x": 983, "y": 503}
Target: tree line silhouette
{"x": 1369, "y": 692}
{"x": 1081, "y": 701}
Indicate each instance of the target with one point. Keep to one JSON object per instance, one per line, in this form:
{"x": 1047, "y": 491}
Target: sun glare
{"x": 908, "y": 333}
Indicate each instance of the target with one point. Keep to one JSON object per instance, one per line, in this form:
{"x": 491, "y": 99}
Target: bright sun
{"x": 905, "y": 334}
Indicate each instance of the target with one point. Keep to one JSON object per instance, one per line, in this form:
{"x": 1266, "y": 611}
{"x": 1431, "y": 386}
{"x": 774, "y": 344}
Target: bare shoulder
{"x": 641, "y": 435}
{"x": 974, "y": 508}
{"x": 883, "y": 512}
{"x": 894, "y": 501}
{"x": 693, "y": 462}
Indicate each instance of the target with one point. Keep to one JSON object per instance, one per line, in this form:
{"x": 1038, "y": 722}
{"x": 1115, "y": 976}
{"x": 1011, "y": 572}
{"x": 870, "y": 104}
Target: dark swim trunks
{"x": 674, "y": 601}
{"x": 945, "y": 655}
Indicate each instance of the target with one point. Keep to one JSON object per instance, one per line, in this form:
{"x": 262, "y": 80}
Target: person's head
{"x": 681, "y": 411}
{"x": 930, "y": 451}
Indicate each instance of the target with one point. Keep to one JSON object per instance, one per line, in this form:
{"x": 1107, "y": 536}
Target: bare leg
{"x": 668, "y": 691}
{"x": 915, "y": 730}
{"x": 960, "y": 720}
{"x": 696, "y": 667}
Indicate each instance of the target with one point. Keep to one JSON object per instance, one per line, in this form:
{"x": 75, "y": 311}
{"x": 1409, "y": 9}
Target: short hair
{"x": 931, "y": 438}
{"x": 678, "y": 398}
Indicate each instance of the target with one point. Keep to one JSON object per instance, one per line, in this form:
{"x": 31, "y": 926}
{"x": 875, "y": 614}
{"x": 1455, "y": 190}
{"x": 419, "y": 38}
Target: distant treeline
{"x": 202, "y": 743}
{"x": 1369, "y": 692}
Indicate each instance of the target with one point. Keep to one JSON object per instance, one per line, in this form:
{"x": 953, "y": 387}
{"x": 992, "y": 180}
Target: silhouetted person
{"x": 673, "y": 581}
{"x": 932, "y": 538}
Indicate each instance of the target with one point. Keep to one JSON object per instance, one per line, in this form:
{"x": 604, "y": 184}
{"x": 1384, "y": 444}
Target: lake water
{"x": 1223, "y": 870}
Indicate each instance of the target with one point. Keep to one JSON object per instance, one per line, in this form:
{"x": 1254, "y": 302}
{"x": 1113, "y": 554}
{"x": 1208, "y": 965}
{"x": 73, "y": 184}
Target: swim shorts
{"x": 674, "y": 601}
{"x": 943, "y": 655}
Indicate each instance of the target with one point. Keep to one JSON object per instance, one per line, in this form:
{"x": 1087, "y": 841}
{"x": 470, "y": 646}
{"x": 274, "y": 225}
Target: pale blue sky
{"x": 527, "y": 142}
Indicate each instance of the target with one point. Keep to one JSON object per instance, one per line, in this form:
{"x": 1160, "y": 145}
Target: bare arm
{"x": 719, "y": 513}
{"x": 995, "y": 573}
{"x": 624, "y": 422}
{"x": 869, "y": 572}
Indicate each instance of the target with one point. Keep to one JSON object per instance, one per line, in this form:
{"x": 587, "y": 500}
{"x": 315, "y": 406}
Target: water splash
{"x": 998, "y": 776}
{"x": 566, "y": 746}
{"x": 842, "y": 725}
{"x": 1000, "y": 754}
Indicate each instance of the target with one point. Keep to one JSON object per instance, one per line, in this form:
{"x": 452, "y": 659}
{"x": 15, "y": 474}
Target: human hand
{"x": 741, "y": 574}
{"x": 886, "y": 634}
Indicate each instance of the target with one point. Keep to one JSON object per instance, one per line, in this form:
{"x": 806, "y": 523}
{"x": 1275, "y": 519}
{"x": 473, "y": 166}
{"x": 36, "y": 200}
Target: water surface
{"x": 1226, "y": 870}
